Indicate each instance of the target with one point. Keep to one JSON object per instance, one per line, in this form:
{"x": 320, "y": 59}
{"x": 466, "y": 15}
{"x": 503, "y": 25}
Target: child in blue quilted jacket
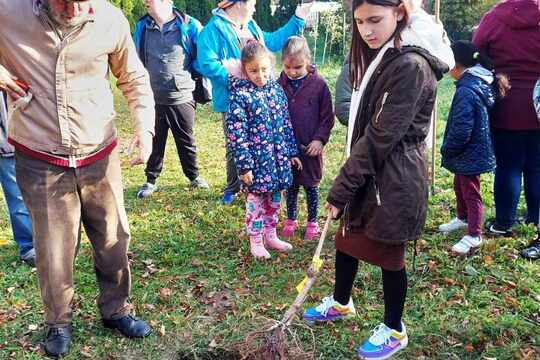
{"x": 467, "y": 149}
{"x": 260, "y": 134}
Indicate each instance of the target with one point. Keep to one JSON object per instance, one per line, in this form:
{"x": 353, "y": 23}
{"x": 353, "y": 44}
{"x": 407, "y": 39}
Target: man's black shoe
{"x": 129, "y": 326}
{"x": 57, "y": 341}
{"x": 532, "y": 252}
{"x": 494, "y": 229}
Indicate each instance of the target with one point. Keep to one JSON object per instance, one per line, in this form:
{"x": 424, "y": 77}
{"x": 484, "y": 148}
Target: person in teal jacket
{"x": 218, "y": 52}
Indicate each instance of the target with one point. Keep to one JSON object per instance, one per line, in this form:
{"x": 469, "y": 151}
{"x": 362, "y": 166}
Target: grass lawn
{"x": 195, "y": 281}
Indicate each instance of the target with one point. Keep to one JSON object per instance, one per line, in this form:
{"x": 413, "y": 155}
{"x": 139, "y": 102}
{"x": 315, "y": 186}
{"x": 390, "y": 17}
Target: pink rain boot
{"x": 273, "y": 242}
{"x": 289, "y": 228}
{"x": 256, "y": 245}
{"x": 312, "y": 231}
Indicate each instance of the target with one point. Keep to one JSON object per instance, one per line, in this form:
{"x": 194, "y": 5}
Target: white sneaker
{"x": 383, "y": 343}
{"x": 146, "y": 190}
{"x": 329, "y": 310}
{"x": 452, "y": 225}
{"x": 466, "y": 244}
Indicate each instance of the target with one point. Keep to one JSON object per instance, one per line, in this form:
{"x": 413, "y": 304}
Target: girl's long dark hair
{"x": 467, "y": 55}
{"x": 361, "y": 55}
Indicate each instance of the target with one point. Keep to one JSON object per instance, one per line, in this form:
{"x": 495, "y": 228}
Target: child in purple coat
{"x": 312, "y": 118}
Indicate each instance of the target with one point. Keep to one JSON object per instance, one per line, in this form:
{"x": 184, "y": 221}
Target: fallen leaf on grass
{"x": 422, "y": 244}
{"x": 197, "y": 262}
{"x": 86, "y": 352}
{"x": 527, "y": 354}
{"x": 165, "y": 293}
{"x": 162, "y": 330}
{"x": 510, "y": 301}
{"x": 468, "y": 348}
{"x": 150, "y": 268}
{"x": 449, "y": 281}
{"x": 451, "y": 340}
{"x": 512, "y": 256}
{"x": 488, "y": 260}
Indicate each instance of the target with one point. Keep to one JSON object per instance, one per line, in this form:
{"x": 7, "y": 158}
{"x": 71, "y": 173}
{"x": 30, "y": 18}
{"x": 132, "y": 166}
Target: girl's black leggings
{"x": 394, "y": 288}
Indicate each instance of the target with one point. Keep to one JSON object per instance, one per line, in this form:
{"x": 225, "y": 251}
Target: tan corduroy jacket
{"x": 71, "y": 113}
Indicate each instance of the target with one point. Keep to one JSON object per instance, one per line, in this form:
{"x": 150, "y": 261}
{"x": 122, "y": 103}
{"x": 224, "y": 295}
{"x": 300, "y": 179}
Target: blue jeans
{"x": 18, "y": 214}
{"x": 518, "y": 154}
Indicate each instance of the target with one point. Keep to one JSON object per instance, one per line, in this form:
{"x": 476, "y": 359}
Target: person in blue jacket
{"x": 218, "y": 52}
{"x": 467, "y": 149}
{"x": 21, "y": 224}
{"x": 166, "y": 39}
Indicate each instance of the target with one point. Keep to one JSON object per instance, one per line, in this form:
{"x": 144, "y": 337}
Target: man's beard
{"x": 63, "y": 23}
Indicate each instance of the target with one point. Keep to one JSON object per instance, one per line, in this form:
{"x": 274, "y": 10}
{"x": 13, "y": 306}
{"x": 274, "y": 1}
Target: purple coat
{"x": 510, "y": 35}
{"x": 312, "y": 118}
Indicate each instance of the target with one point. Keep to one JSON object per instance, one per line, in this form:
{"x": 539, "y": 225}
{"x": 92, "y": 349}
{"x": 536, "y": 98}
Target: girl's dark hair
{"x": 467, "y": 55}
{"x": 361, "y": 54}
{"x": 254, "y": 50}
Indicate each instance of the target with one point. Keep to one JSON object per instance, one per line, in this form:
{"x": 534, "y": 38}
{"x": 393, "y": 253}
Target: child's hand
{"x": 296, "y": 163}
{"x": 247, "y": 178}
{"x": 314, "y": 148}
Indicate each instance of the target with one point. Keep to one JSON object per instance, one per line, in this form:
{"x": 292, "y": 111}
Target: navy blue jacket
{"x": 467, "y": 147}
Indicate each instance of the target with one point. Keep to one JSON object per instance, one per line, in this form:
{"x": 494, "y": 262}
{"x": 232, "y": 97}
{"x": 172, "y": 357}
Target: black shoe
{"x": 129, "y": 326}
{"x": 494, "y": 229}
{"x": 532, "y": 252}
{"x": 58, "y": 341}
{"x": 29, "y": 258}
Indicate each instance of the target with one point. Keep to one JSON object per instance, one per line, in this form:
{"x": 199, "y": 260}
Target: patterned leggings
{"x": 312, "y": 195}
{"x": 262, "y": 212}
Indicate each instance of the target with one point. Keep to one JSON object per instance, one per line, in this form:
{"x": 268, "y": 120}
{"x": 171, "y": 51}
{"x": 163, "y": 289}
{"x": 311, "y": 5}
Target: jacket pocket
{"x": 184, "y": 83}
{"x": 91, "y": 114}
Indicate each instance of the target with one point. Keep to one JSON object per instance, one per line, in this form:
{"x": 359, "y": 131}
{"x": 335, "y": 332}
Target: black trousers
{"x": 180, "y": 119}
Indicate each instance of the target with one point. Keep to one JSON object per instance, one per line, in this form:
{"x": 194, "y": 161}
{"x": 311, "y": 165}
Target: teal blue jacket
{"x": 218, "y": 41}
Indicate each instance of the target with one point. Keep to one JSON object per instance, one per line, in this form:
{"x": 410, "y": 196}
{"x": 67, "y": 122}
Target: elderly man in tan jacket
{"x": 67, "y": 163}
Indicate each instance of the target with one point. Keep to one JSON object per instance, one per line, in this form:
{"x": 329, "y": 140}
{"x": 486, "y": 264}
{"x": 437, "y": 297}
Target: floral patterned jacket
{"x": 259, "y": 132}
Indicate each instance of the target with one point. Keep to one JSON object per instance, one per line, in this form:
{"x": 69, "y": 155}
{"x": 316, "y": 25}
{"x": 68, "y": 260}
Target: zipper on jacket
{"x": 385, "y": 96}
{"x": 346, "y": 226}
{"x": 377, "y": 193}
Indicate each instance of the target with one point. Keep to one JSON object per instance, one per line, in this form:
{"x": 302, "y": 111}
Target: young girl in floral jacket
{"x": 260, "y": 134}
